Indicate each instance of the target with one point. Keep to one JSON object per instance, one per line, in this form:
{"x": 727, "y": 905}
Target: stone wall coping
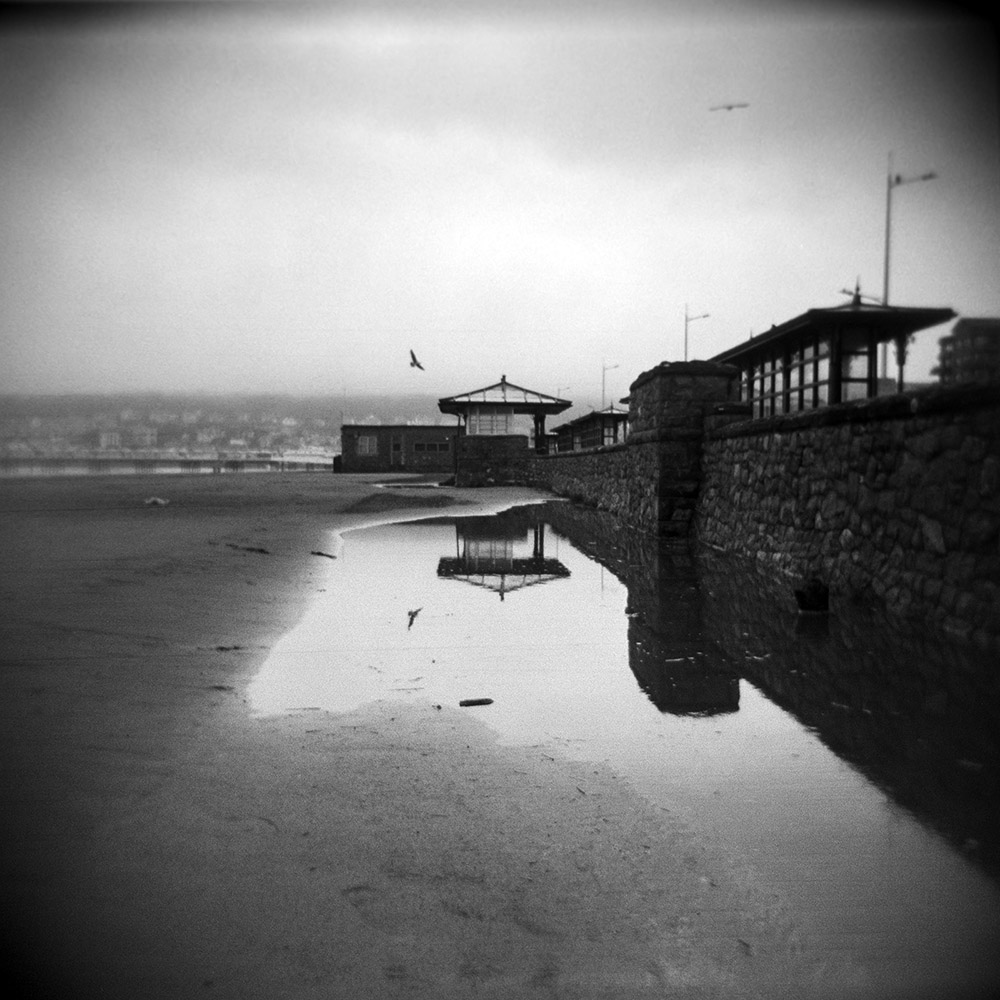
{"x": 665, "y": 434}
{"x": 634, "y": 439}
{"x": 600, "y": 449}
{"x": 495, "y": 437}
{"x": 905, "y": 405}
{"x": 685, "y": 369}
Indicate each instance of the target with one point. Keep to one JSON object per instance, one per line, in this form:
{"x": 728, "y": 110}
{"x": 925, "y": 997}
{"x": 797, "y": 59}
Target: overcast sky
{"x": 288, "y": 197}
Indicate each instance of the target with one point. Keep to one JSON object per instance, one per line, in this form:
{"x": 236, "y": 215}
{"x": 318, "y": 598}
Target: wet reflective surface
{"x": 854, "y": 763}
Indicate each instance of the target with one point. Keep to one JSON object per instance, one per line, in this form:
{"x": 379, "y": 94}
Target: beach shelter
{"x": 491, "y": 411}
{"x": 827, "y": 356}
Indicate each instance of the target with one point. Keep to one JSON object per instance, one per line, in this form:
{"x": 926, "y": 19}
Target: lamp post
{"x": 893, "y": 181}
{"x": 687, "y": 320}
{"x": 604, "y": 370}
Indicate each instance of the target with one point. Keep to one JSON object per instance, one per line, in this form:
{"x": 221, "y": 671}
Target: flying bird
{"x": 728, "y": 107}
{"x": 413, "y": 615}
{"x": 414, "y": 363}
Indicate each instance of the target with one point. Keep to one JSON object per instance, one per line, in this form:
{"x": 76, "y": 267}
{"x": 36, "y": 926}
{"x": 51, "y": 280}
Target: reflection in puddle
{"x": 853, "y": 765}
{"x": 493, "y": 555}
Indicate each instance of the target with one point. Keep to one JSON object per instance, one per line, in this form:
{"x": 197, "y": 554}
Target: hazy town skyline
{"x": 286, "y": 197}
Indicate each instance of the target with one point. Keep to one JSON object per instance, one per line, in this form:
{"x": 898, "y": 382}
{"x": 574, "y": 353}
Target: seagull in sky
{"x": 728, "y": 107}
{"x": 413, "y": 615}
{"x": 414, "y": 363}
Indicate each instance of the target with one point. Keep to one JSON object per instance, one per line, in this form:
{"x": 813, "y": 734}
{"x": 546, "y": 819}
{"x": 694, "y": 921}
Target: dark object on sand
{"x": 413, "y": 615}
{"x": 325, "y": 554}
{"x": 814, "y": 596}
{"x": 470, "y": 702}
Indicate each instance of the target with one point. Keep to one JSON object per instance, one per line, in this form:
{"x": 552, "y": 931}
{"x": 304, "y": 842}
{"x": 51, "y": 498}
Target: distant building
{"x": 397, "y": 448}
{"x": 971, "y": 353}
{"x": 207, "y": 435}
{"x": 109, "y": 440}
{"x": 143, "y": 437}
{"x": 599, "y": 427}
{"x": 825, "y": 356}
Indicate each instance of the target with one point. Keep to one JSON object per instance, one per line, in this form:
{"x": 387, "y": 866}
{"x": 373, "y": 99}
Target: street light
{"x": 893, "y": 181}
{"x": 689, "y": 319}
{"x": 604, "y": 370}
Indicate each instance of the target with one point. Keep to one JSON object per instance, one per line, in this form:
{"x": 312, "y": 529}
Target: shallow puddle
{"x": 853, "y": 764}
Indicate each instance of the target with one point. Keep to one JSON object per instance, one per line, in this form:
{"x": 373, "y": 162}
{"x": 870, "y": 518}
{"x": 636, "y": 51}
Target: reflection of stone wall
{"x": 633, "y": 556}
{"x": 918, "y": 715}
{"x": 897, "y": 497}
{"x": 679, "y": 669}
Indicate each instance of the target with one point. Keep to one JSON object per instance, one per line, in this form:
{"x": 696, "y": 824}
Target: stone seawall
{"x": 896, "y": 498}
{"x": 652, "y": 480}
{"x": 617, "y": 478}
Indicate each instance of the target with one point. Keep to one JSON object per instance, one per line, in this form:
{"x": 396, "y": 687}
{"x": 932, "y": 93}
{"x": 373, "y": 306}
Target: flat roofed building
{"x": 826, "y": 356}
{"x": 971, "y": 353}
{"x": 397, "y": 447}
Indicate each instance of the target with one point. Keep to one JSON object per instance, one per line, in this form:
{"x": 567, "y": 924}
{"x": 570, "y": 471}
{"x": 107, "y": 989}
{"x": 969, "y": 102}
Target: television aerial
{"x": 857, "y": 294}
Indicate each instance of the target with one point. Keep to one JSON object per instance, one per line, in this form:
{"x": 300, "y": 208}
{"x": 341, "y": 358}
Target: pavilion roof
{"x": 504, "y": 393}
{"x": 503, "y": 575}
{"x": 887, "y": 322}
{"x": 612, "y": 411}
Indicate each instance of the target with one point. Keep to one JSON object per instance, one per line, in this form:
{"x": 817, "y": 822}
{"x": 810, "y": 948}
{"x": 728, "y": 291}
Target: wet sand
{"x": 159, "y": 841}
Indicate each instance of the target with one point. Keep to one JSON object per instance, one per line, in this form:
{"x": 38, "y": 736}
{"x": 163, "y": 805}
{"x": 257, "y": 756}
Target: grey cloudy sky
{"x": 288, "y": 197}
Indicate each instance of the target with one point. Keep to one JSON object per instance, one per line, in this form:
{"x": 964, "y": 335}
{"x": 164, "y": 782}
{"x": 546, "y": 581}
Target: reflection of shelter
{"x": 592, "y": 430}
{"x": 491, "y": 411}
{"x": 826, "y": 356}
{"x": 488, "y": 555}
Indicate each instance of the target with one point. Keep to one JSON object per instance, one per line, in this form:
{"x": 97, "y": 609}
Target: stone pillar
{"x": 667, "y": 409}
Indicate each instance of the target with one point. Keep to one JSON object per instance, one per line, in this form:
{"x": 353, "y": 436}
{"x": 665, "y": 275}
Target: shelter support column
{"x": 541, "y": 446}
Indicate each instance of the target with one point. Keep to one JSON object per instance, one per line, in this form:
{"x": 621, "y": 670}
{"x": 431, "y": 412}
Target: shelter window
{"x": 488, "y": 551}
{"x": 367, "y": 444}
{"x": 489, "y": 420}
{"x": 746, "y": 385}
{"x": 856, "y": 365}
{"x": 768, "y": 387}
{"x": 590, "y": 436}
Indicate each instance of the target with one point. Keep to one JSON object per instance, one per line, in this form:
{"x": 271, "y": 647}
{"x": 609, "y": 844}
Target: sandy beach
{"x": 159, "y": 841}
